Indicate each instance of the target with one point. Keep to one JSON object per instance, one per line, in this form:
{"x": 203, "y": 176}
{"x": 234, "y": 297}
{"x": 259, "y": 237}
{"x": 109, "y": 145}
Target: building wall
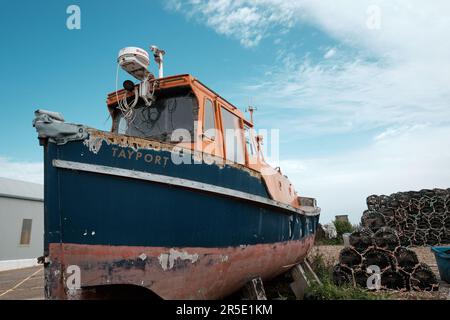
{"x": 12, "y": 213}
{"x": 342, "y": 218}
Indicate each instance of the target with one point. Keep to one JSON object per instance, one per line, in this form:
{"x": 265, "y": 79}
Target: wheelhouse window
{"x": 172, "y": 110}
{"x": 209, "y": 125}
{"x": 248, "y": 142}
{"x": 234, "y": 146}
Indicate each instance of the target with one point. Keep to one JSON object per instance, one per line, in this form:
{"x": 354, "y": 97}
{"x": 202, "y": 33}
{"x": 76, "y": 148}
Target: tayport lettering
{"x": 137, "y": 155}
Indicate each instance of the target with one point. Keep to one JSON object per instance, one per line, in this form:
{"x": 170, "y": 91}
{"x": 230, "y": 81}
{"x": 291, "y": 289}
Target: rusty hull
{"x": 171, "y": 273}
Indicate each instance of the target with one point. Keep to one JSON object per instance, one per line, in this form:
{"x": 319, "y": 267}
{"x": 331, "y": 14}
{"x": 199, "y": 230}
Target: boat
{"x": 165, "y": 205}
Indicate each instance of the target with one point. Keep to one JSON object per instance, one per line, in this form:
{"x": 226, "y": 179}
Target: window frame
{"x": 162, "y": 94}
{"x": 24, "y": 234}
{"x": 242, "y": 136}
{"x": 204, "y": 135}
{"x": 248, "y": 134}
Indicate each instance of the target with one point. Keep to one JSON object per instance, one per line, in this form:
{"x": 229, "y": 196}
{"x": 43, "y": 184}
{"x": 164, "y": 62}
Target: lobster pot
{"x": 419, "y": 217}
{"x": 399, "y": 267}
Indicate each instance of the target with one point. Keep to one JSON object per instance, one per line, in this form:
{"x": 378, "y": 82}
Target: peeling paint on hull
{"x": 190, "y": 273}
{"x": 97, "y": 138}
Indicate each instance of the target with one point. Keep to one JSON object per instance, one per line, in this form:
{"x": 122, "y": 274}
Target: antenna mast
{"x": 158, "y": 55}
{"x": 251, "y": 109}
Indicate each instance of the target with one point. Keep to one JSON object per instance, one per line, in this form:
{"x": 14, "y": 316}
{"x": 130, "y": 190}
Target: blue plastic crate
{"x": 442, "y": 255}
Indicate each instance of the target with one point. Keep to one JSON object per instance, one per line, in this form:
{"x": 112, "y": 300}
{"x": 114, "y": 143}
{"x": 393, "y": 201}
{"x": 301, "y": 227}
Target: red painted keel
{"x": 171, "y": 273}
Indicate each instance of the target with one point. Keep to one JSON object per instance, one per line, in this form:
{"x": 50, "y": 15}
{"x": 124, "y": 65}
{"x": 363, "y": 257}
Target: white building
{"x": 21, "y": 223}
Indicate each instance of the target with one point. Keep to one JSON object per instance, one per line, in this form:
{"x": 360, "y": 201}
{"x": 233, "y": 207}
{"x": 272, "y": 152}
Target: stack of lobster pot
{"x": 419, "y": 217}
{"x": 379, "y": 248}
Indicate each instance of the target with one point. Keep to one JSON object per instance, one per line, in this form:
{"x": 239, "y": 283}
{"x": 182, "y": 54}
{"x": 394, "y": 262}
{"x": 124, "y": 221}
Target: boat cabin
{"x": 185, "y": 112}
{"x": 188, "y": 113}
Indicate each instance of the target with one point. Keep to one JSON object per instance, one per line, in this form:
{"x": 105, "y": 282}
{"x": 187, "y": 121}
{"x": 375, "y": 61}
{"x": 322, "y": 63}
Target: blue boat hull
{"x": 87, "y": 208}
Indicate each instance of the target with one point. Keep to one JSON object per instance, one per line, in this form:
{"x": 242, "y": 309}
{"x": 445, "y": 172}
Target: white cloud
{"x": 413, "y": 159}
{"x": 394, "y": 79}
{"x": 22, "y": 170}
{"x": 247, "y": 21}
{"x": 405, "y": 81}
{"x": 414, "y": 22}
{"x": 355, "y": 95}
{"x": 330, "y": 53}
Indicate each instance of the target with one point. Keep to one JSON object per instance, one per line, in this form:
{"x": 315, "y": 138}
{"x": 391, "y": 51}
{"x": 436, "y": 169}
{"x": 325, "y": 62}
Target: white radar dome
{"x": 135, "y": 61}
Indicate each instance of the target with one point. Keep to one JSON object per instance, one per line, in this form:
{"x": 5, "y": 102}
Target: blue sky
{"x": 363, "y": 105}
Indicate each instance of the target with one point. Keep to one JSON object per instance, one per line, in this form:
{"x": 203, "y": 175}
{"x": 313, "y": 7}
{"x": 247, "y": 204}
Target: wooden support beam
{"x": 316, "y": 278}
{"x": 303, "y": 276}
{"x": 300, "y": 283}
{"x": 254, "y": 290}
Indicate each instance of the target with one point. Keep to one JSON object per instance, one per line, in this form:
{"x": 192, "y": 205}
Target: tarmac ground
{"x": 22, "y": 284}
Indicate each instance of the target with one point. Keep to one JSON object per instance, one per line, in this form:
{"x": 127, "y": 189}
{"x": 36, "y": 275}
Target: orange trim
{"x": 176, "y": 81}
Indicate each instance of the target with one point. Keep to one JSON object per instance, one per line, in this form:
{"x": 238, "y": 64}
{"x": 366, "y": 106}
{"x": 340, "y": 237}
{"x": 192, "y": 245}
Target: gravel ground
{"x": 330, "y": 254}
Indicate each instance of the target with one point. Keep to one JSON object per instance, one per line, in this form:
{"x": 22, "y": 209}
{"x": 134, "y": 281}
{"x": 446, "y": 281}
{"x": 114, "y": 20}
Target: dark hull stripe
{"x": 71, "y": 165}
{"x": 91, "y": 208}
{"x": 113, "y": 155}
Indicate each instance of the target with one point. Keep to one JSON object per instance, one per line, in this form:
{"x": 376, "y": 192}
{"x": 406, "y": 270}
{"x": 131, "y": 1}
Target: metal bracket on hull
{"x": 51, "y": 125}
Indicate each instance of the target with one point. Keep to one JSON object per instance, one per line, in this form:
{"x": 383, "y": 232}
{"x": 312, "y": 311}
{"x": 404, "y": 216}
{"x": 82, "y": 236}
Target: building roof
{"x": 21, "y": 189}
